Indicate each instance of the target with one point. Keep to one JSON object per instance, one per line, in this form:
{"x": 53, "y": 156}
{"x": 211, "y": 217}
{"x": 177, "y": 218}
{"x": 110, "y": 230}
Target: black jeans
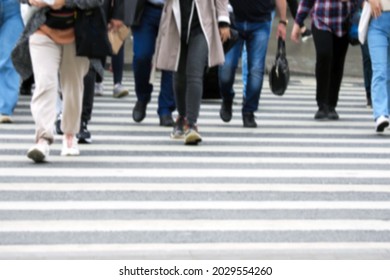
{"x": 89, "y": 93}
{"x": 330, "y": 57}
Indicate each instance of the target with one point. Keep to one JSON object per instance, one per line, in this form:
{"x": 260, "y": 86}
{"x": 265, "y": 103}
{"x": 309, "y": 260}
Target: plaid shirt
{"x": 328, "y": 15}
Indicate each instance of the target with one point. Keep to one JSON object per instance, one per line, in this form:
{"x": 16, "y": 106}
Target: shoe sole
{"x": 70, "y": 154}
{"x": 306, "y": 38}
{"x": 121, "y": 94}
{"x": 36, "y": 155}
{"x": 5, "y": 120}
{"x": 177, "y": 137}
{"x": 192, "y": 138}
{"x": 381, "y": 127}
{"x": 84, "y": 140}
{"x": 225, "y": 119}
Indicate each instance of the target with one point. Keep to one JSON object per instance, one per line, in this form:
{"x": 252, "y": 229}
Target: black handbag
{"x": 91, "y": 33}
{"x": 279, "y": 76}
{"x": 234, "y": 36}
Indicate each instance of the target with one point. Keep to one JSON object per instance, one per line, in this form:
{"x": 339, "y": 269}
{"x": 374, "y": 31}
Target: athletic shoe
{"x": 39, "y": 152}
{"x": 120, "y": 91}
{"x": 84, "y": 136}
{"x": 73, "y": 150}
{"x": 381, "y": 123}
{"x": 178, "y": 128}
{"x": 192, "y": 136}
{"x": 99, "y": 89}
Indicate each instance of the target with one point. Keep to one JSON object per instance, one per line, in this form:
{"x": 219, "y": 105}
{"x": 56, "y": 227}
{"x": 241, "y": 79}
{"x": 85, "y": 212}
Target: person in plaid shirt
{"x": 330, "y": 23}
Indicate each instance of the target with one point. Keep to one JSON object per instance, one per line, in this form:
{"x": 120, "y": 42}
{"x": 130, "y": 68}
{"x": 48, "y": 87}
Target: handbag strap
{"x": 281, "y": 47}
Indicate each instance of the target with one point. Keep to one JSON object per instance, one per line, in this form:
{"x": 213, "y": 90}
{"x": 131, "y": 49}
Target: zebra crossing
{"x": 292, "y": 188}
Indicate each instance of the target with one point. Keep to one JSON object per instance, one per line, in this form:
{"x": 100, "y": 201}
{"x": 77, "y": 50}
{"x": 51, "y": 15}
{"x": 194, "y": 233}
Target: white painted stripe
{"x": 217, "y": 160}
{"x": 232, "y": 139}
{"x": 191, "y": 173}
{"x": 131, "y": 247}
{"x": 193, "y": 205}
{"x": 169, "y": 187}
{"x": 320, "y": 130}
{"x": 227, "y": 149}
{"x": 192, "y": 225}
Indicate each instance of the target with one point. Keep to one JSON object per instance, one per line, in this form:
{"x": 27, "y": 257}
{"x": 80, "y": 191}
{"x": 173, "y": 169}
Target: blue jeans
{"x": 11, "y": 26}
{"x": 255, "y": 36}
{"x": 378, "y": 44}
{"x": 144, "y": 43}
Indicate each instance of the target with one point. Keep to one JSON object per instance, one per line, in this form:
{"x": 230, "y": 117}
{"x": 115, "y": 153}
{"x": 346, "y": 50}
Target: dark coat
{"x": 133, "y": 11}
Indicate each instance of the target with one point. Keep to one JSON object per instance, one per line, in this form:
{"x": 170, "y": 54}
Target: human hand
{"x": 376, "y": 8}
{"x": 224, "y": 32}
{"x": 295, "y": 33}
{"x": 115, "y": 24}
{"x": 281, "y": 31}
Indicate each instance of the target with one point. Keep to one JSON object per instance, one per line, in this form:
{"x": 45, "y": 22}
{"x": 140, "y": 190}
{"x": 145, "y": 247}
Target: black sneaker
{"x": 178, "y": 128}
{"x": 166, "y": 120}
{"x": 84, "y": 135}
{"x": 306, "y": 35}
{"x": 58, "y": 125}
{"x": 226, "y": 110}
{"x": 322, "y": 113}
{"x": 249, "y": 120}
{"x": 139, "y": 111}
{"x": 332, "y": 114}
{"x": 192, "y": 136}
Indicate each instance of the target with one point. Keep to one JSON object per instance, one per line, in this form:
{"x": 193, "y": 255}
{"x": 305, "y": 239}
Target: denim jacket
{"x": 21, "y": 53}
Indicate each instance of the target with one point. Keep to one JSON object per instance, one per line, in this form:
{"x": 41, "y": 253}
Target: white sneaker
{"x": 120, "y": 91}
{"x": 99, "y": 89}
{"x": 5, "y": 119}
{"x": 381, "y": 123}
{"x": 69, "y": 151}
{"x": 39, "y": 152}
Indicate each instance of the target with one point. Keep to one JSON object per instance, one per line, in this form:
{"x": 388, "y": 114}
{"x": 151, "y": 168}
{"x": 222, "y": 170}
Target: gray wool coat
{"x": 168, "y": 43}
{"x": 21, "y": 53}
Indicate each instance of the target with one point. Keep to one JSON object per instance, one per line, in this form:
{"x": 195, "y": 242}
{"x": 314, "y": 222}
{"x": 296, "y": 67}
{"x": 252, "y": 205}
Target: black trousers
{"x": 89, "y": 93}
{"x": 330, "y": 57}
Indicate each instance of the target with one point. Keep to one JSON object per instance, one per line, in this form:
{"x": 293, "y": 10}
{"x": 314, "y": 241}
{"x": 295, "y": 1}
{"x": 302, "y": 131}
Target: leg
{"x": 196, "y": 64}
{"x": 367, "y": 71}
{"x": 323, "y": 42}
{"x": 72, "y": 71}
{"x": 10, "y": 30}
{"x": 340, "y": 47}
{"x": 378, "y": 43}
{"x": 43, "y": 102}
{"x": 144, "y": 40}
{"x": 257, "y": 44}
{"x": 180, "y": 82}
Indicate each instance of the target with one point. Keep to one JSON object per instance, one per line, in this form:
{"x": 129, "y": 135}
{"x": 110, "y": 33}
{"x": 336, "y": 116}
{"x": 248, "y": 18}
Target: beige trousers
{"x": 51, "y": 62}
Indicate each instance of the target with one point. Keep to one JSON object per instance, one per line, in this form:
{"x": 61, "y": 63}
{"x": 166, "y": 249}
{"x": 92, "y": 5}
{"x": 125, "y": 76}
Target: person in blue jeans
{"x": 11, "y": 26}
{"x": 379, "y": 45}
{"x": 253, "y": 22}
{"x": 145, "y": 27}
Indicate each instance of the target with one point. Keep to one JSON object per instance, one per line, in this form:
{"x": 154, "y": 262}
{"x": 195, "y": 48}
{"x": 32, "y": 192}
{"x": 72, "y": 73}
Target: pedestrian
{"x": 330, "y": 22}
{"x": 253, "y": 22}
{"x": 46, "y": 49}
{"x": 144, "y": 19}
{"x": 188, "y": 51}
{"x": 379, "y": 45}
{"x": 117, "y": 65}
{"x": 11, "y": 26}
{"x": 114, "y": 12}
